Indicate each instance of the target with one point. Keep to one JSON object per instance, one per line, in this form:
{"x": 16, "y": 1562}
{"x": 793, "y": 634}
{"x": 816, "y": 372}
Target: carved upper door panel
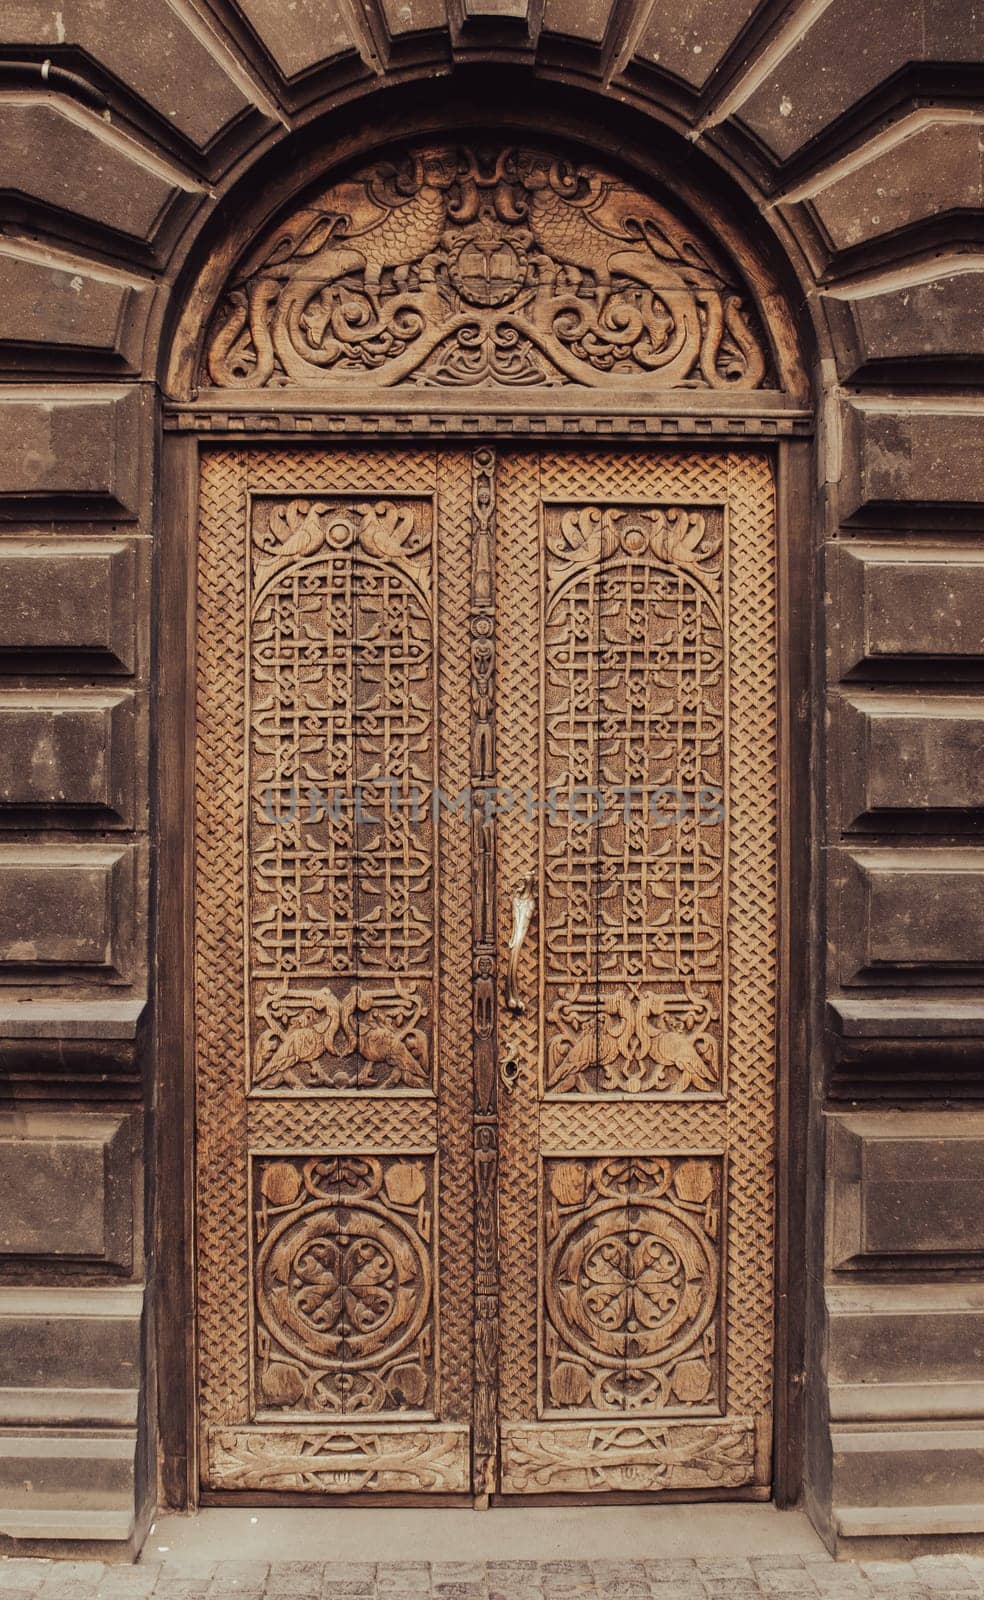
{"x": 449, "y": 265}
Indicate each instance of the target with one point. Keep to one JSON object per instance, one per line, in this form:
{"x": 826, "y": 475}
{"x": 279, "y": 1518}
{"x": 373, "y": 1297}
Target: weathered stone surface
{"x": 930, "y": 454}
{"x": 913, "y": 323}
{"x": 905, "y": 1350}
{"x": 894, "y": 605}
{"x": 585, "y": 20}
{"x": 69, "y": 598}
{"x": 181, "y": 70}
{"x": 69, "y": 749}
{"x": 304, "y": 34}
{"x": 916, "y": 1466}
{"x": 406, "y": 17}
{"x": 66, "y": 907}
{"x": 63, "y": 156}
{"x": 87, "y": 445}
{"x": 912, "y": 914}
{"x": 66, "y": 1190}
{"x": 936, "y": 169}
{"x": 60, "y": 1469}
{"x": 904, "y": 1185}
{"x": 846, "y": 51}
{"x": 53, "y": 301}
{"x": 893, "y": 755}
{"x": 689, "y": 37}
{"x": 68, "y": 1338}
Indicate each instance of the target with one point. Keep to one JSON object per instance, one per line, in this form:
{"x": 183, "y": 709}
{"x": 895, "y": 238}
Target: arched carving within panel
{"x": 510, "y": 265}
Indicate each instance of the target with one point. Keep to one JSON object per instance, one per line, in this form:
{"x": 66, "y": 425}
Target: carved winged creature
{"x": 591, "y": 225}
{"x": 402, "y": 223}
{"x": 334, "y": 1026}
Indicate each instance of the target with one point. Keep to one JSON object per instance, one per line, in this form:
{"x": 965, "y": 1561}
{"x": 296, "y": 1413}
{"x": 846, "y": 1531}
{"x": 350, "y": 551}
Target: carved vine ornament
{"x": 511, "y": 266}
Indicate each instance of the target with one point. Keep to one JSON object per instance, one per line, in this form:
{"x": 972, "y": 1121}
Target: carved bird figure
{"x": 680, "y": 1050}
{"x": 303, "y": 1043}
{"x": 593, "y": 1047}
{"x": 299, "y": 531}
{"x": 565, "y": 228}
{"x": 387, "y": 532}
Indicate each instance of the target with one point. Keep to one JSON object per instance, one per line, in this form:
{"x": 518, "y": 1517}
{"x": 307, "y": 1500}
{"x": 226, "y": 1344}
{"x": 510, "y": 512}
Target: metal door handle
{"x": 509, "y": 1066}
{"x": 522, "y": 907}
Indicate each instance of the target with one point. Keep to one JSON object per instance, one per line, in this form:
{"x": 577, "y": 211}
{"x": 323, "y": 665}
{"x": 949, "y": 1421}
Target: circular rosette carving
{"x": 338, "y": 1283}
{"x": 487, "y": 269}
{"x": 632, "y": 1285}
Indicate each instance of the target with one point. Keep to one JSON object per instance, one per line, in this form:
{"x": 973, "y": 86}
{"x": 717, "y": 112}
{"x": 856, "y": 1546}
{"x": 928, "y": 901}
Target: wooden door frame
{"x": 171, "y": 1241}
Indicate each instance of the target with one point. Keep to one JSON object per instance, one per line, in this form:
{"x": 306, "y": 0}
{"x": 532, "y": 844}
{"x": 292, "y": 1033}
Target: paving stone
{"x": 944, "y": 1572}
{"x": 300, "y": 1579}
{"x": 72, "y": 1578}
{"x": 786, "y": 1581}
{"x": 251, "y": 1574}
{"x": 179, "y": 1589}
{"x": 128, "y": 1583}
{"x": 16, "y": 1573}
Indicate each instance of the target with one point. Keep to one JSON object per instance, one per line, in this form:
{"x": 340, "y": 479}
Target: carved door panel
{"x": 636, "y": 730}
{"x": 468, "y": 1222}
{"x": 333, "y": 972}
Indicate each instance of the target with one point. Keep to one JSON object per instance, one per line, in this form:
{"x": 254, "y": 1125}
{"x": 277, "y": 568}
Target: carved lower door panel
{"x": 333, "y": 972}
{"x": 637, "y": 759}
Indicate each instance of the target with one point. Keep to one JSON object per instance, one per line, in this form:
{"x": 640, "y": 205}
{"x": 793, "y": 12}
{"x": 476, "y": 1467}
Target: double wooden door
{"x": 485, "y": 969}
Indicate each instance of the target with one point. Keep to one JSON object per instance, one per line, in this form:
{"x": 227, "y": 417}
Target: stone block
{"x": 914, "y": 1465}
{"x": 930, "y": 455}
{"x": 805, "y": 92}
{"x": 688, "y": 38}
{"x": 66, "y": 157}
{"x": 932, "y": 171}
{"x": 66, "y": 1471}
{"x": 66, "y": 909}
{"x": 423, "y": 16}
{"x": 66, "y": 1190}
{"x": 68, "y": 604}
{"x": 904, "y": 1188}
{"x": 898, "y": 757}
{"x": 65, "y": 307}
{"x": 70, "y": 751}
{"x": 584, "y": 20}
{"x": 82, "y": 445}
{"x": 905, "y": 1351}
{"x": 911, "y": 915}
{"x": 918, "y": 326}
{"x": 900, "y": 607}
{"x": 305, "y": 34}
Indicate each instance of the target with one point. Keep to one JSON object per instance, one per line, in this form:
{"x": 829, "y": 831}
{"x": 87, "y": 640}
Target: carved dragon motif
{"x": 457, "y": 266}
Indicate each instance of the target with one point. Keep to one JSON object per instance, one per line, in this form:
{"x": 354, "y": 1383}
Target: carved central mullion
{"x": 484, "y": 974}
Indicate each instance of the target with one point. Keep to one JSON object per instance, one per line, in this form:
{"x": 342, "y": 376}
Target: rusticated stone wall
{"x": 853, "y": 135}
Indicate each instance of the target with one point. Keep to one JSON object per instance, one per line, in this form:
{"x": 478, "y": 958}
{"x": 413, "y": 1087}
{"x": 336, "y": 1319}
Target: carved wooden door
{"x": 485, "y": 955}
{"x": 636, "y": 699}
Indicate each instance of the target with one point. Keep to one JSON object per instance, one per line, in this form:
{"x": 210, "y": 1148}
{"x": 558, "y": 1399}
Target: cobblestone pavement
{"x": 799, "y": 1577}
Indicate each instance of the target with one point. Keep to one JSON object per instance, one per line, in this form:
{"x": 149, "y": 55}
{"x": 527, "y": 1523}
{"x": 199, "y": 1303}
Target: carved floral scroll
{"x": 453, "y": 266}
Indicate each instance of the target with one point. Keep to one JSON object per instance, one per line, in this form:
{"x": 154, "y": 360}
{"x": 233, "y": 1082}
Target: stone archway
{"x": 128, "y": 171}
{"x": 579, "y": 1183}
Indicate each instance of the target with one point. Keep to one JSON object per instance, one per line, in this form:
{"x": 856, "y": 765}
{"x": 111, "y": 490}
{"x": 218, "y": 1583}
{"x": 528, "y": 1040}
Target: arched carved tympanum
{"x": 511, "y": 265}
